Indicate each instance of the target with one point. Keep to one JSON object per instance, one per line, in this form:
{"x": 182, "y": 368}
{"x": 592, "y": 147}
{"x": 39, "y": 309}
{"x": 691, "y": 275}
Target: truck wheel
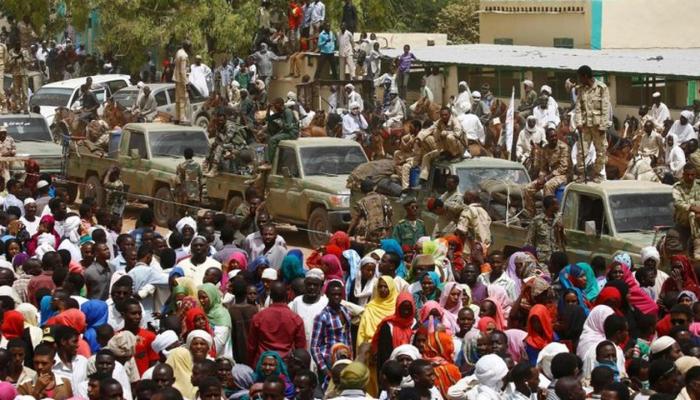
{"x": 319, "y": 227}
{"x": 93, "y": 188}
{"x": 202, "y": 121}
{"x": 163, "y": 210}
{"x": 232, "y": 204}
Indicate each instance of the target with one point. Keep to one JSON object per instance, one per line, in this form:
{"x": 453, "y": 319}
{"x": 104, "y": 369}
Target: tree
{"x": 460, "y": 21}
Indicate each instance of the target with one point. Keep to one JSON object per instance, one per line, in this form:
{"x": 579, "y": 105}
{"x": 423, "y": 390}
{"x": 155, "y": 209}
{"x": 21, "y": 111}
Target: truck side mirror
{"x": 590, "y": 228}
{"x": 286, "y": 172}
{"x": 134, "y": 154}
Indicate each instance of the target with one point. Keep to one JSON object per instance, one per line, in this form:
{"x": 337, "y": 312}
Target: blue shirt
{"x": 326, "y": 42}
{"x": 308, "y": 10}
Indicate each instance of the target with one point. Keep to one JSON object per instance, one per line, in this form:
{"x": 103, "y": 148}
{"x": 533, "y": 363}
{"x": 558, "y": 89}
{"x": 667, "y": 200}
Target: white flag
{"x": 510, "y": 119}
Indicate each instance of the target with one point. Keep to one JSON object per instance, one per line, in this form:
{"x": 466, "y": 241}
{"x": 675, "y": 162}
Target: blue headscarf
{"x": 436, "y": 281}
{"x": 354, "y": 266}
{"x": 96, "y": 314}
{"x": 297, "y": 253}
{"x": 280, "y": 371}
{"x": 391, "y": 245}
{"x": 45, "y": 309}
{"x": 253, "y": 268}
{"x": 176, "y": 272}
{"x": 580, "y": 270}
{"x": 291, "y": 268}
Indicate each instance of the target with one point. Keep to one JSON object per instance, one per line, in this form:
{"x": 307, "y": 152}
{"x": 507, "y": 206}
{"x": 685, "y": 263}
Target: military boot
{"x": 213, "y": 171}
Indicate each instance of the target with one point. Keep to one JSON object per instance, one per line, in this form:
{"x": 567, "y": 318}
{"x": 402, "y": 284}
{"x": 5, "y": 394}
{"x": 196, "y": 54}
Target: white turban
{"x": 463, "y": 84}
{"x": 350, "y": 86}
{"x": 656, "y": 94}
{"x": 476, "y": 94}
{"x": 406, "y": 350}
{"x": 198, "y": 333}
{"x": 528, "y": 82}
{"x": 43, "y": 249}
{"x": 46, "y": 238}
{"x": 650, "y": 252}
{"x": 236, "y": 84}
{"x": 661, "y": 344}
{"x": 367, "y": 260}
{"x": 163, "y": 341}
{"x": 269, "y": 273}
{"x": 291, "y": 96}
{"x": 544, "y": 358}
{"x": 687, "y": 114}
{"x": 546, "y": 88}
{"x": 354, "y": 105}
{"x": 70, "y": 228}
{"x": 186, "y": 221}
{"x": 490, "y": 371}
{"x": 394, "y": 91}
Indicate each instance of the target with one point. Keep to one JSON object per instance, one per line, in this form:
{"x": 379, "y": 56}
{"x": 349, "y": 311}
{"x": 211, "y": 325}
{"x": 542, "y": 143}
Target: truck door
{"x": 286, "y": 186}
{"x": 586, "y": 225}
{"x": 135, "y": 162}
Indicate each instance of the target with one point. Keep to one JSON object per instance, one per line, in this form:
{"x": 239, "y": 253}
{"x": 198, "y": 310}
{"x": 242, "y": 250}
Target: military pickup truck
{"x": 472, "y": 172}
{"x": 306, "y": 185}
{"x": 603, "y": 219}
{"x": 33, "y": 140}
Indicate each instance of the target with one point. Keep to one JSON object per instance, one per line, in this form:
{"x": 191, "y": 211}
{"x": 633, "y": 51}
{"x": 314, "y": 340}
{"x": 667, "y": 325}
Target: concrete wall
{"x": 641, "y": 24}
{"x": 535, "y": 23}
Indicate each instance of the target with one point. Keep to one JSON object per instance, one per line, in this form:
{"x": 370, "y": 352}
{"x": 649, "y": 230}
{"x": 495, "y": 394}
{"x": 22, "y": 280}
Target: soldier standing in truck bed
{"x": 371, "y": 215}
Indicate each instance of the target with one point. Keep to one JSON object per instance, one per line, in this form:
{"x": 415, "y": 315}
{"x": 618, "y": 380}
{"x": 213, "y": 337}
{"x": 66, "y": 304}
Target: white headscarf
{"x": 198, "y": 333}
{"x": 675, "y": 157}
{"x": 70, "y": 229}
{"x": 186, "y": 221}
{"x": 162, "y": 341}
{"x": 650, "y": 252}
{"x": 363, "y": 294}
{"x": 593, "y": 332}
{"x": 489, "y": 372}
{"x": 545, "y": 356}
{"x": 406, "y": 350}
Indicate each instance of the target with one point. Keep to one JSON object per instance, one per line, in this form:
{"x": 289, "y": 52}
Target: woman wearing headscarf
{"x": 636, "y": 297}
{"x": 569, "y": 325}
{"x": 675, "y": 157}
{"x": 145, "y": 279}
{"x": 382, "y": 305}
{"x": 491, "y": 308}
{"x": 75, "y": 319}
{"x": 340, "y": 239}
{"x": 489, "y": 373}
{"x": 196, "y": 319}
{"x": 455, "y": 252}
{"x": 200, "y": 344}
{"x": 391, "y": 245}
{"x": 123, "y": 345}
{"x": 271, "y": 364}
{"x": 361, "y": 284}
{"x": 577, "y": 277}
{"x": 396, "y": 329}
{"x": 544, "y": 361}
{"x": 430, "y": 289}
{"x": 350, "y": 262}
{"x": 516, "y": 343}
{"x": 500, "y": 297}
{"x": 439, "y": 350}
{"x": 181, "y": 362}
{"x": 219, "y": 317}
{"x": 539, "y": 332}
{"x": 96, "y": 313}
{"x": 243, "y": 379}
{"x": 451, "y": 298}
{"x": 46, "y": 233}
{"x": 593, "y": 332}
{"x": 71, "y": 234}
{"x": 682, "y": 277}
{"x": 340, "y": 351}
{"x": 434, "y": 317}
{"x": 522, "y": 265}
{"x": 291, "y": 269}
{"x": 330, "y": 264}
{"x": 257, "y": 267}
{"x": 534, "y": 291}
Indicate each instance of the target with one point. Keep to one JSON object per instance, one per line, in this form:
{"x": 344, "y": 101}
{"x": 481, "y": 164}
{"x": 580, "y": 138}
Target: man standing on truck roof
{"x": 592, "y": 120}
{"x": 409, "y": 229}
{"x": 281, "y": 125}
{"x": 371, "y": 215}
{"x": 546, "y": 232}
{"x": 686, "y": 205}
{"x": 189, "y": 176}
{"x": 181, "y": 79}
{"x": 555, "y": 171}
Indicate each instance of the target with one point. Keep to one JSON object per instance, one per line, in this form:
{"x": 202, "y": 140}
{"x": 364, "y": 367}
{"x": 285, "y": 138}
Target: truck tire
{"x": 93, "y": 188}
{"x": 202, "y": 121}
{"x": 232, "y": 204}
{"x": 319, "y": 227}
{"x": 164, "y": 210}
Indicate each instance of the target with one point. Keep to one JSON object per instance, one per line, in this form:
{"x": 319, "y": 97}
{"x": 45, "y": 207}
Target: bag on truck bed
{"x": 375, "y": 170}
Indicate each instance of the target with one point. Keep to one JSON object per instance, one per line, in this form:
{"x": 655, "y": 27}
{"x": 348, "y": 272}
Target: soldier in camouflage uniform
{"x": 474, "y": 224}
{"x": 452, "y": 197}
{"x": 546, "y": 232}
{"x": 371, "y": 215}
{"x": 19, "y": 61}
{"x": 7, "y": 149}
{"x": 281, "y": 125}
{"x": 592, "y": 119}
{"x": 189, "y": 175}
{"x": 231, "y": 138}
{"x": 686, "y": 207}
{"x": 555, "y": 170}
{"x": 409, "y": 229}
{"x": 114, "y": 190}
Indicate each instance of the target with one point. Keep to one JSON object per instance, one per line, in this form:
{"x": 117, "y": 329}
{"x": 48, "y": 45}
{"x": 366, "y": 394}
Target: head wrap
{"x": 376, "y": 310}
{"x": 217, "y": 314}
{"x": 426, "y": 317}
{"x": 546, "y": 88}
{"x": 96, "y": 313}
{"x": 331, "y": 263}
{"x": 7, "y": 391}
{"x": 499, "y": 296}
{"x": 545, "y": 356}
{"x": 198, "y": 333}
{"x": 402, "y": 327}
{"x": 269, "y": 274}
{"x": 12, "y": 324}
{"x": 535, "y": 339}
{"x": 30, "y": 313}
{"x": 685, "y": 363}
{"x": 528, "y": 82}
{"x": 476, "y": 95}
{"x": 391, "y": 245}
{"x": 354, "y": 376}
{"x": 593, "y": 332}
{"x": 164, "y": 340}
{"x": 186, "y": 221}
{"x": 687, "y": 114}
{"x": 445, "y": 295}
{"x": 650, "y": 252}
{"x": 71, "y": 317}
{"x": 243, "y": 378}
{"x": 122, "y": 344}
{"x": 70, "y": 229}
{"x": 291, "y": 269}
{"x": 405, "y": 350}
{"x": 490, "y": 371}
{"x": 181, "y": 362}
{"x": 191, "y": 315}
{"x": 280, "y": 370}
{"x": 516, "y": 343}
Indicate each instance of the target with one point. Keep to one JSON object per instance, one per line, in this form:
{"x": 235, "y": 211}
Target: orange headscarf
{"x": 438, "y": 350}
{"x": 535, "y": 339}
{"x": 402, "y": 328}
{"x": 72, "y": 317}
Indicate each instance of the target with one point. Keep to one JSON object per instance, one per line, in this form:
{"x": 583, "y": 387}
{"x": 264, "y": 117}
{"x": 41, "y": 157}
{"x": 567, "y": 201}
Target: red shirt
{"x": 144, "y": 354}
{"x": 296, "y": 16}
{"x": 275, "y": 328}
{"x": 45, "y": 280}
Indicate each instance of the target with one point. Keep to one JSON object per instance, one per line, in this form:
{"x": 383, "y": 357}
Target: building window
{"x": 504, "y": 41}
{"x": 565, "y": 43}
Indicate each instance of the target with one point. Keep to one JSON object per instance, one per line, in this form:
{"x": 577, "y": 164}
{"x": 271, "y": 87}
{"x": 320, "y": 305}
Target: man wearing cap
{"x": 529, "y": 99}
{"x": 409, "y": 229}
{"x": 463, "y": 102}
{"x": 200, "y": 76}
{"x": 396, "y": 111}
{"x": 354, "y": 97}
{"x": 181, "y": 79}
{"x": 480, "y": 109}
{"x": 311, "y": 303}
{"x": 531, "y": 137}
{"x": 29, "y": 219}
{"x": 281, "y": 125}
{"x": 592, "y": 120}
{"x": 659, "y": 111}
{"x": 555, "y": 169}
{"x": 683, "y": 129}
{"x": 354, "y": 123}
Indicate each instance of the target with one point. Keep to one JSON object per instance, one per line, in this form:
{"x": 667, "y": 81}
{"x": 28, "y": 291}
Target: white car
{"x": 164, "y": 94}
{"x": 67, "y": 93}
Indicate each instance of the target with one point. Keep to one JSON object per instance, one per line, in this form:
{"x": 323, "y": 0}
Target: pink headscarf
{"x": 516, "y": 343}
{"x": 7, "y": 391}
{"x": 446, "y": 318}
{"x": 332, "y": 269}
{"x": 638, "y": 297}
{"x": 501, "y": 322}
{"x": 500, "y": 296}
{"x": 242, "y": 261}
{"x": 449, "y": 287}
{"x": 593, "y": 332}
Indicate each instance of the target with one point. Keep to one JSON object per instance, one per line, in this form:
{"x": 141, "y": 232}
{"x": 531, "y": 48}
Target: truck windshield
{"x": 331, "y": 160}
{"x": 470, "y": 178}
{"x": 173, "y": 143}
{"x": 126, "y": 98}
{"x": 51, "y": 97}
{"x": 641, "y": 211}
{"x": 27, "y": 129}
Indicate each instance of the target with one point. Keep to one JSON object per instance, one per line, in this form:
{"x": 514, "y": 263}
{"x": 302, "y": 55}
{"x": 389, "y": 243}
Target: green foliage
{"x": 460, "y": 21}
